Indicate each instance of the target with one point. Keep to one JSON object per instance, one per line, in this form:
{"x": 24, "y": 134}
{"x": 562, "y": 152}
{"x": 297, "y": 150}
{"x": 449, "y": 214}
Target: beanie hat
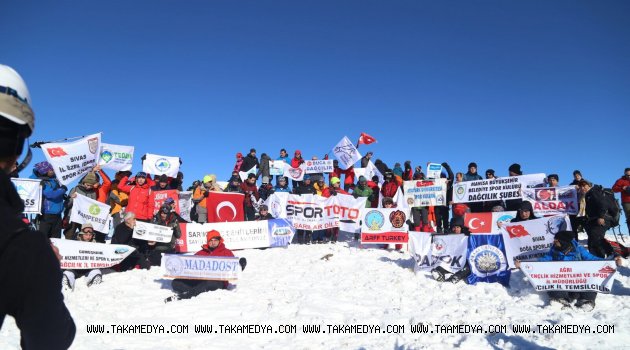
{"x": 252, "y": 150}
{"x": 577, "y": 172}
{"x": 490, "y": 171}
{"x": 251, "y": 175}
{"x": 141, "y": 174}
{"x": 472, "y": 164}
{"x": 263, "y": 207}
{"x": 526, "y": 206}
{"x": 239, "y": 155}
{"x": 163, "y": 178}
{"x": 334, "y": 180}
{"x": 84, "y": 226}
{"x": 362, "y": 179}
{"x": 213, "y": 234}
{"x": 515, "y": 168}
{"x": 307, "y": 177}
{"x": 457, "y": 221}
{"x": 90, "y": 178}
{"x": 43, "y": 167}
{"x": 564, "y": 236}
{"x": 209, "y": 178}
{"x": 169, "y": 200}
{"x": 298, "y": 152}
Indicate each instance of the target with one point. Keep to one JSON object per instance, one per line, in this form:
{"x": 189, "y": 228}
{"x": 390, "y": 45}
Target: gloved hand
{"x": 355, "y": 195}
{"x": 64, "y": 188}
{"x": 243, "y": 263}
{"x": 205, "y": 194}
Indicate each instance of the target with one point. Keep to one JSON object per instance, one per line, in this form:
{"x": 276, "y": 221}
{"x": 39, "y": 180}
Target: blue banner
{"x": 281, "y": 232}
{"x": 487, "y": 260}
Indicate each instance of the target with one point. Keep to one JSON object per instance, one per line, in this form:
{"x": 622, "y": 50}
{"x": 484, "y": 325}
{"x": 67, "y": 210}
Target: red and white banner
{"x": 430, "y": 251}
{"x": 552, "y": 200}
{"x": 369, "y": 172}
{"x": 571, "y": 276}
{"x": 78, "y": 255}
{"x": 487, "y": 222}
{"x": 71, "y": 160}
{"x": 502, "y": 188}
{"x": 161, "y": 165}
{"x": 531, "y": 239}
{"x": 225, "y": 207}
{"x": 425, "y": 193}
{"x": 295, "y": 174}
{"x": 159, "y": 197}
{"x": 319, "y": 166}
{"x": 384, "y": 225}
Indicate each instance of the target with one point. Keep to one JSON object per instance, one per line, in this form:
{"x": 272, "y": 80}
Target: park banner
{"x": 157, "y": 199}
{"x": 384, "y": 225}
{"x": 503, "y": 188}
{"x": 151, "y": 232}
{"x": 116, "y": 157}
{"x": 482, "y": 223}
{"x": 276, "y": 167}
{"x": 531, "y": 239}
{"x": 425, "y": 193}
{"x": 346, "y": 153}
{"x": 295, "y": 174}
{"x": 79, "y": 255}
{"x": 185, "y": 204}
{"x": 161, "y": 165}
{"x": 237, "y": 235}
{"x": 319, "y": 166}
{"x": 219, "y": 268}
{"x": 30, "y": 191}
{"x": 87, "y": 210}
{"x": 434, "y": 171}
{"x": 487, "y": 261}
{"x": 570, "y": 276}
{"x": 430, "y": 251}
{"x": 552, "y": 200}
{"x": 73, "y": 159}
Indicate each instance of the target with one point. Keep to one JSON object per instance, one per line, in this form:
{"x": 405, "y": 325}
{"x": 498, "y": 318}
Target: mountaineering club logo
{"x": 295, "y": 173}
{"x": 94, "y": 209}
{"x": 487, "y": 260}
{"x": 374, "y": 219}
{"x": 107, "y": 156}
{"x": 162, "y": 165}
{"x": 438, "y": 246}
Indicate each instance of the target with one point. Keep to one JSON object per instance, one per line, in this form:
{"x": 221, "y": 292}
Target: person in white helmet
{"x": 30, "y": 276}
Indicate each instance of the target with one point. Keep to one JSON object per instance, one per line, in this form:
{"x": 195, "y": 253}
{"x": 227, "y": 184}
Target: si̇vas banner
{"x": 116, "y": 157}
{"x": 201, "y": 267}
{"x": 571, "y": 276}
{"x": 503, "y": 188}
{"x": 160, "y": 165}
{"x": 87, "y": 210}
{"x": 73, "y": 159}
{"x": 425, "y": 193}
{"x": 552, "y": 200}
{"x": 30, "y": 190}
{"x": 384, "y": 225}
{"x": 88, "y": 255}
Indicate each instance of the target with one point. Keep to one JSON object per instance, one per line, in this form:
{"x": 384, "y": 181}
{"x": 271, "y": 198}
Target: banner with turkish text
{"x": 552, "y": 200}
{"x": 218, "y": 268}
{"x": 151, "y": 232}
{"x": 425, "y": 193}
{"x": 571, "y": 276}
{"x": 319, "y": 166}
{"x": 71, "y": 160}
{"x": 434, "y": 171}
{"x": 503, "y": 188}
{"x": 87, "y": 210}
{"x": 430, "y": 251}
{"x": 384, "y": 225}
{"x": 79, "y": 255}
{"x": 30, "y": 191}
{"x": 116, "y": 157}
{"x": 159, "y": 197}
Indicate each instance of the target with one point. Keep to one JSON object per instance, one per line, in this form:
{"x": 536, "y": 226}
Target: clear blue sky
{"x": 542, "y": 83}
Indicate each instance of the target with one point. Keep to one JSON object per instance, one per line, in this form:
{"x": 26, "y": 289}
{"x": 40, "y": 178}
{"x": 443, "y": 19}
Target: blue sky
{"x": 541, "y": 83}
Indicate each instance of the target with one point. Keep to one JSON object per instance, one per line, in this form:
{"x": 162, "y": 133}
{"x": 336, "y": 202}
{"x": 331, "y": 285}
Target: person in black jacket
{"x": 442, "y": 211}
{"x": 30, "y": 276}
{"x": 123, "y": 234}
{"x": 525, "y": 212}
{"x": 249, "y": 161}
{"x": 598, "y": 221}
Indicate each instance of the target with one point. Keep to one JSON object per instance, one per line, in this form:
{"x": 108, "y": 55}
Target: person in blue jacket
{"x": 52, "y": 200}
{"x": 565, "y": 248}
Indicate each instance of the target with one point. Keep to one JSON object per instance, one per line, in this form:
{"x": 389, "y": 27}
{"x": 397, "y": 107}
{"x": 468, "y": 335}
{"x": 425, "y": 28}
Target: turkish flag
{"x": 478, "y": 222}
{"x": 366, "y": 139}
{"x": 225, "y": 207}
{"x": 516, "y": 231}
{"x": 56, "y": 152}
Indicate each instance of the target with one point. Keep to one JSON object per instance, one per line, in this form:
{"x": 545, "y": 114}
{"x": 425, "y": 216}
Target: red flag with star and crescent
{"x": 478, "y": 222}
{"x": 366, "y": 139}
{"x": 225, "y": 207}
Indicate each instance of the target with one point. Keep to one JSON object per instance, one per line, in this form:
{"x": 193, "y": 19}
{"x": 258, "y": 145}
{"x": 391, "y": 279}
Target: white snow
{"x": 366, "y": 286}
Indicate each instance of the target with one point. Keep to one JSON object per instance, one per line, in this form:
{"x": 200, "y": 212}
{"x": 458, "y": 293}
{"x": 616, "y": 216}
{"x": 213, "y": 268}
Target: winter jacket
{"x": 79, "y": 189}
{"x": 117, "y": 200}
{"x": 365, "y": 161}
{"x": 596, "y": 206}
{"x": 139, "y": 197}
{"x": 264, "y": 165}
{"x": 249, "y": 189}
{"x": 367, "y": 192}
{"x": 577, "y": 253}
{"x": 319, "y": 190}
{"x": 296, "y": 162}
{"x": 618, "y": 187}
{"x": 249, "y": 162}
{"x": 389, "y": 188}
{"x": 279, "y": 188}
{"x": 52, "y": 194}
{"x": 304, "y": 189}
{"x": 449, "y": 186}
{"x": 381, "y": 166}
{"x": 331, "y": 191}
{"x": 265, "y": 191}
{"x": 123, "y": 235}
{"x": 471, "y": 177}
{"x": 104, "y": 188}
{"x": 239, "y": 163}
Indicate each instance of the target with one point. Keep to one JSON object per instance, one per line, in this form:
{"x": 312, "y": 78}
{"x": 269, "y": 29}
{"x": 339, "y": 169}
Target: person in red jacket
{"x": 390, "y": 186}
{"x": 187, "y": 288}
{"x": 139, "y": 195}
{"x": 623, "y": 186}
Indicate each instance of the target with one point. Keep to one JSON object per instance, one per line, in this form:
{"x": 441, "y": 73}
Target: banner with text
{"x": 495, "y": 189}
{"x": 571, "y": 276}
{"x": 73, "y": 159}
{"x": 79, "y": 255}
{"x": 369, "y": 172}
{"x": 86, "y": 210}
{"x": 384, "y": 225}
{"x": 218, "y": 268}
{"x": 276, "y": 167}
{"x": 434, "y": 171}
{"x": 346, "y": 153}
{"x": 116, "y": 157}
{"x": 425, "y": 193}
{"x": 430, "y": 251}
{"x": 480, "y": 223}
{"x": 319, "y": 166}
{"x": 151, "y": 232}
{"x": 552, "y": 200}
{"x": 161, "y": 165}
{"x": 159, "y": 197}
{"x": 30, "y": 191}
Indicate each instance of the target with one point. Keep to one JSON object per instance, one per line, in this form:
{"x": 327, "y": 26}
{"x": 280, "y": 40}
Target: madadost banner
{"x": 201, "y": 267}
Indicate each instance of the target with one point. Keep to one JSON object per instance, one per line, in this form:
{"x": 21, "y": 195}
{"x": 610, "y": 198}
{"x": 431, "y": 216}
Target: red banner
{"x": 225, "y": 207}
{"x": 385, "y": 237}
{"x": 158, "y": 198}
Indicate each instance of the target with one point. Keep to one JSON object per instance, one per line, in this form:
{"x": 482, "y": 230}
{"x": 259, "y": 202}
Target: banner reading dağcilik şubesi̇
{"x": 503, "y": 188}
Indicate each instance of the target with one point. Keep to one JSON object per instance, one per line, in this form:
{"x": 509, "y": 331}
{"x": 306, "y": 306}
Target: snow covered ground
{"x": 375, "y": 287}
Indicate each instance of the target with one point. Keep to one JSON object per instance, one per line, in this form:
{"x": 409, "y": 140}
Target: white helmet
{"x": 15, "y": 101}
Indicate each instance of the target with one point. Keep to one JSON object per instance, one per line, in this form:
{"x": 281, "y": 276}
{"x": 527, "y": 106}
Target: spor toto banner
{"x": 384, "y": 225}
{"x": 152, "y": 232}
{"x": 495, "y": 189}
{"x": 159, "y": 197}
{"x": 531, "y": 239}
{"x": 87, "y": 255}
{"x": 87, "y": 210}
{"x": 570, "y": 276}
{"x": 116, "y": 157}
{"x": 201, "y": 267}
{"x": 480, "y": 223}
{"x": 30, "y": 190}
{"x": 430, "y": 251}
{"x": 319, "y": 166}
{"x": 346, "y": 153}
{"x": 552, "y": 200}
{"x": 237, "y": 235}
{"x": 425, "y": 193}
{"x": 161, "y": 165}
{"x": 73, "y": 159}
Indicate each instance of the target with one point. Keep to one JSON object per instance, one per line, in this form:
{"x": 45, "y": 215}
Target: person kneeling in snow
{"x": 186, "y": 288}
{"x": 565, "y": 248}
{"x": 94, "y": 276}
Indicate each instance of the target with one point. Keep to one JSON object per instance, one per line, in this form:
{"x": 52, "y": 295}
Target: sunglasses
{"x": 88, "y": 231}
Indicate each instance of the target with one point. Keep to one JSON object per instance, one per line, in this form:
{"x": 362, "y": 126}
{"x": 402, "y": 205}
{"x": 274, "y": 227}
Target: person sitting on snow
{"x": 441, "y": 274}
{"x": 94, "y": 276}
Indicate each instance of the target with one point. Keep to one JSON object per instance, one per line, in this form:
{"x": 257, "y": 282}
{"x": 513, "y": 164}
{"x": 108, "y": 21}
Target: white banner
{"x": 73, "y": 159}
{"x": 346, "y": 153}
{"x": 201, "y": 267}
{"x": 425, "y": 193}
{"x": 571, "y": 276}
{"x": 552, "y": 200}
{"x": 276, "y": 167}
{"x": 531, "y": 239}
{"x": 485, "y": 223}
{"x": 87, "y": 210}
{"x": 434, "y": 171}
{"x": 151, "y": 232}
{"x": 369, "y": 172}
{"x": 384, "y": 225}
{"x": 30, "y": 190}
{"x": 296, "y": 174}
{"x": 244, "y": 174}
{"x": 116, "y": 157}
{"x": 79, "y": 255}
{"x": 160, "y": 165}
{"x": 319, "y": 166}
{"x": 430, "y": 251}
{"x": 185, "y": 204}
{"x": 503, "y": 188}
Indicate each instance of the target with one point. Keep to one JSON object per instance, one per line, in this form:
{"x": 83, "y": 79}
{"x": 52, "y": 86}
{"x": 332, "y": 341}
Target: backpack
{"x": 612, "y": 206}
